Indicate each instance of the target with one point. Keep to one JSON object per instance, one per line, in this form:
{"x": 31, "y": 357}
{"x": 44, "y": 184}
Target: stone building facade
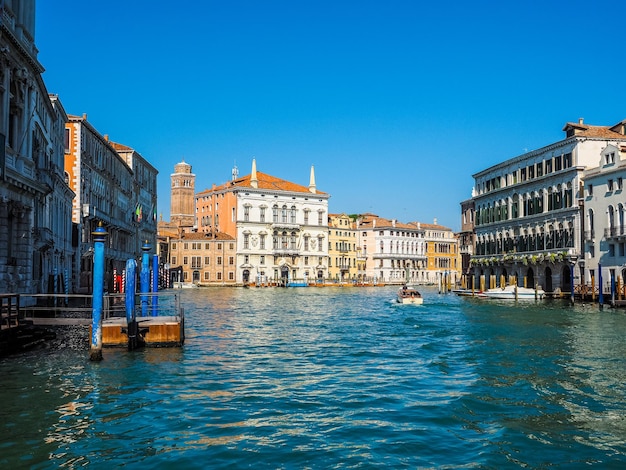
{"x": 109, "y": 191}
{"x": 342, "y": 248}
{"x": 528, "y": 211}
{"x": 281, "y": 228}
{"x": 35, "y": 201}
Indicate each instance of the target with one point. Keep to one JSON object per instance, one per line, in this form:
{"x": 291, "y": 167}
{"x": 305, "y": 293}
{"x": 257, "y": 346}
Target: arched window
{"x": 590, "y": 224}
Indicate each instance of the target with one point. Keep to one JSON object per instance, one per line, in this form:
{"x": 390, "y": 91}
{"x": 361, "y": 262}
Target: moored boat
{"x": 409, "y": 295}
{"x": 512, "y": 293}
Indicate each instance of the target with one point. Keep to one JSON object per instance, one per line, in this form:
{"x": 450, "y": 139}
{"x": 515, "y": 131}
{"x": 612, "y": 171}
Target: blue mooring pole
{"x": 95, "y": 349}
{"x": 132, "y": 327}
{"x": 155, "y": 285}
{"x": 601, "y": 297}
{"x": 144, "y": 278}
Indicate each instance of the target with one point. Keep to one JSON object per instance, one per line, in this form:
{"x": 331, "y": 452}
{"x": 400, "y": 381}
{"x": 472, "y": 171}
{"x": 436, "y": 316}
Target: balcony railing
{"x": 613, "y": 232}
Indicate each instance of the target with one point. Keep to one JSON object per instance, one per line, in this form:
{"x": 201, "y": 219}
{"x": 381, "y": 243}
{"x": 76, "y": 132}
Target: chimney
{"x": 581, "y": 121}
{"x": 435, "y": 221}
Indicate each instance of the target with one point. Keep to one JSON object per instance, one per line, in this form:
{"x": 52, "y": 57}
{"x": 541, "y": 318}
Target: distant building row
{"x": 264, "y": 230}
{"x": 533, "y": 217}
{"x": 59, "y": 178}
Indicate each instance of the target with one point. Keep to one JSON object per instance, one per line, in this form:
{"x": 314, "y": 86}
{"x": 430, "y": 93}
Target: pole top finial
{"x": 146, "y": 246}
{"x": 99, "y": 234}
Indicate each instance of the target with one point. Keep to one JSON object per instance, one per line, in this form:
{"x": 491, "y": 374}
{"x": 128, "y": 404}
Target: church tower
{"x": 183, "y": 192}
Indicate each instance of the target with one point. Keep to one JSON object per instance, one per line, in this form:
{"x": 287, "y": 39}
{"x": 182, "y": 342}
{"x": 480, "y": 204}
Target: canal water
{"x": 330, "y": 378}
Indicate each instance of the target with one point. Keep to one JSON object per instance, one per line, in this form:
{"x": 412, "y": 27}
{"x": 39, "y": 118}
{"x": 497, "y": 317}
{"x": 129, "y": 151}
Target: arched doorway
{"x": 566, "y": 280}
{"x": 195, "y": 277}
{"x": 548, "y": 276}
{"x": 284, "y": 274}
{"x": 530, "y": 278}
{"x": 246, "y": 276}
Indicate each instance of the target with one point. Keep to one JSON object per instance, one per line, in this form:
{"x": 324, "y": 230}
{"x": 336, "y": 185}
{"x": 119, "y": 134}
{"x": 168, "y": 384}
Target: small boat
{"x": 509, "y": 292}
{"x": 409, "y": 295}
{"x": 185, "y": 285}
{"x": 464, "y": 292}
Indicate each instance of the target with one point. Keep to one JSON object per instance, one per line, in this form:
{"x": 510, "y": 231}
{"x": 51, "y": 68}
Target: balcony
{"x": 285, "y": 226}
{"x": 615, "y": 232}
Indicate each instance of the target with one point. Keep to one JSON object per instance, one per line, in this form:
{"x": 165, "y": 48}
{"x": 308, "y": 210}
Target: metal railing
{"x": 159, "y": 304}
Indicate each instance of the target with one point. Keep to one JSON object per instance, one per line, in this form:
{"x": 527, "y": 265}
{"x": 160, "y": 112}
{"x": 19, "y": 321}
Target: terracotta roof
{"x": 205, "y": 236}
{"x": 586, "y": 130}
{"x": 265, "y": 181}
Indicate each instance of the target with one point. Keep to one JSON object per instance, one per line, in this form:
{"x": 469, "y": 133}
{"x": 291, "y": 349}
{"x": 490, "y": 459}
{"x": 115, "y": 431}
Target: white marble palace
{"x": 528, "y": 211}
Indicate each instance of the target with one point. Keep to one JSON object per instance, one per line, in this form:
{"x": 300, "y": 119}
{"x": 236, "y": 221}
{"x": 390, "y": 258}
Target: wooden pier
{"x": 161, "y": 323}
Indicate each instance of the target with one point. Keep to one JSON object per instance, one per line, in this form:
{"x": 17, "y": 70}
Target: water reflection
{"x": 327, "y": 378}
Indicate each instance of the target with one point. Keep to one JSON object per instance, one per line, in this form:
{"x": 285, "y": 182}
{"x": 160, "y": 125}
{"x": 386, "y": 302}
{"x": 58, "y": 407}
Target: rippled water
{"x": 330, "y": 378}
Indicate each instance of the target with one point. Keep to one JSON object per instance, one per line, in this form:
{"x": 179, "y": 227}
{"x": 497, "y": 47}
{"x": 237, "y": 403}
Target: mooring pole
{"x": 99, "y": 237}
{"x": 155, "y": 285}
{"x": 144, "y": 278}
{"x": 571, "y": 276}
{"x": 601, "y": 294}
{"x": 131, "y": 317}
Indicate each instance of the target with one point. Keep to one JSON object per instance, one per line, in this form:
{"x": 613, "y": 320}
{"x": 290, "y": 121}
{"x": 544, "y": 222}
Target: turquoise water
{"x": 330, "y": 378}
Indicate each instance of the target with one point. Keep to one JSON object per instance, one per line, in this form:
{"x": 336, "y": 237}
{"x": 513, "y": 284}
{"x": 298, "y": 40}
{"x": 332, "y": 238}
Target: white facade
{"x": 528, "y": 224}
{"x": 391, "y": 250}
{"x": 281, "y": 235}
{"x": 281, "y": 228}
{"x": 605, "y": 225}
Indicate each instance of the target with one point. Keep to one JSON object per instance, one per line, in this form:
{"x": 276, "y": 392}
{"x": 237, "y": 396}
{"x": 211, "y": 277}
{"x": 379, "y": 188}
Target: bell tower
{"x": 183, "y": 191}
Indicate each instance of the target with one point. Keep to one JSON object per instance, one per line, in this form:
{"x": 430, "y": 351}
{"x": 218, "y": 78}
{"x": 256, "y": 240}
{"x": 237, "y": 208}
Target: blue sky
{"x": 395, "y": 103}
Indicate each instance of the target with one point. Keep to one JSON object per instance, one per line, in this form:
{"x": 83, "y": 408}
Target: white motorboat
{"x": 409, "y": 295}
{"x": 512, "y": 293}
{"x": 185, "y": 285}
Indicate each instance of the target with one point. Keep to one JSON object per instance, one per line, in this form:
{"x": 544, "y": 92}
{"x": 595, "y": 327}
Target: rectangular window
{"x": 306, "y": 216}
{"x": 539, "y": 169}
{"x": 611, "y": 249}
{"x": 548, "y": 166}
{"x": 207, "y": 260}
{"x": 196, "y": 262}
{"x": 320, "y": 218}
{"x": 558, "y": 163}
{"x": 246, "y": 241}
{"x": 231, "y": 260}
{"x": 262, "y": 214}
{"x": 219, "y": 246}
{"x": 262, "y": 242}
{"x": 207, "y": 276}
{"x": 231, "y": 276}
{"x": 619, "y": 184}
{"x": 185, "y": 260}
{"x": 174, "y": 260}
{"x": 567, "y": 160}
{"x": 219, "y": 276}
{"x": 609, "y": 185}
{"x": 231, "y": 246}
{"x": 246, "y": 213}
{"x": 219, "y": 260}
{"x": 262, "y": 259}
{"x": 589, "y": 190}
